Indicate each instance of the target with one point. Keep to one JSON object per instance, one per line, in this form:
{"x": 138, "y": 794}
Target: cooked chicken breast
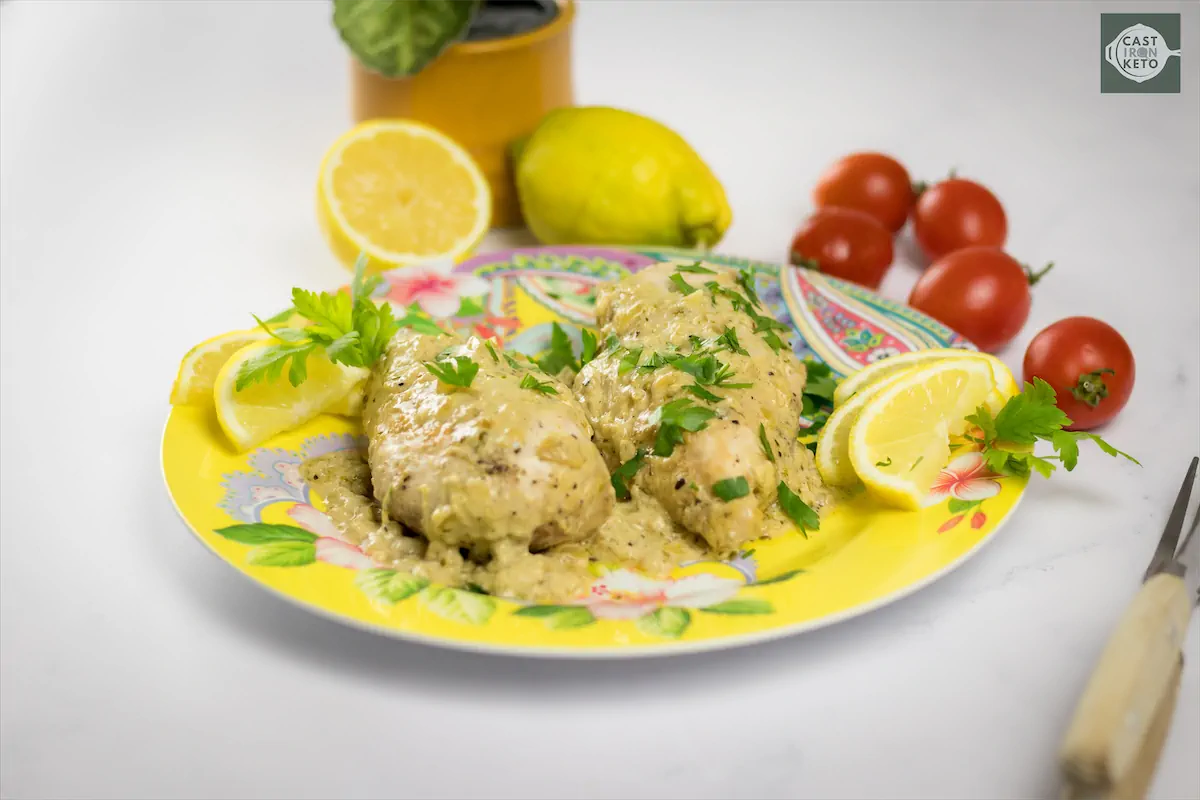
{"x": 699, "y": 336}
{"x": 488, "y": 465}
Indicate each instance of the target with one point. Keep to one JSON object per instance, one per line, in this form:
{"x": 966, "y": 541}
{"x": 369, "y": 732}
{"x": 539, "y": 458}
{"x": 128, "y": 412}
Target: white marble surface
{"x": 149, "y": 145}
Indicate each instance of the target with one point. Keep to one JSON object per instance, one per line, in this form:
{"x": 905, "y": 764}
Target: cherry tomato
{"x": 958, "y": 213}
{"x": 870, "y": 182}
{"x": 844, "y": 243}
{"x": 981, "y": 292}
{"x": 1089, "y": 365}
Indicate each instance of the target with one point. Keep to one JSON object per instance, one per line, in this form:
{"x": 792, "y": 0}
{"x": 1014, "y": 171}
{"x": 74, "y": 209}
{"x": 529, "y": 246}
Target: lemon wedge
{"x": 352, "y": 404}
{"x": 1006, "y": 384}
{"x": 258, "y": 412}
{"x": 901, "y": 439}
{"x": 199, "y": 367}
{"x": 401, "y": 193}
{"x": 833, "y": 442}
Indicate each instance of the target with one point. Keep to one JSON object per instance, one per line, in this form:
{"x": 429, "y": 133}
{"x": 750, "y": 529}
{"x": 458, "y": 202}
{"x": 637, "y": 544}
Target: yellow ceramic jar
{"x": 484, "y": 95}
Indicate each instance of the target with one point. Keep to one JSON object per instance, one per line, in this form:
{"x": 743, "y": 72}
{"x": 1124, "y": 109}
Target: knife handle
{"x": 1133, "y": 675}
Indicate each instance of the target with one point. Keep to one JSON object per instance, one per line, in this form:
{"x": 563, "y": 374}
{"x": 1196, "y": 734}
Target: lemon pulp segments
{"x": 402, "y": 193}
{"x": 1006, "y": 384}
{"x": 199, "y": 368}
{"x": 902, "y": 437}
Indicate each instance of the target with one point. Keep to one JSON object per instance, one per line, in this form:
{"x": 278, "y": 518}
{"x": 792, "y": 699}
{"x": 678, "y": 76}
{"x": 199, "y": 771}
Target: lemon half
{"x": 401, "y": 193}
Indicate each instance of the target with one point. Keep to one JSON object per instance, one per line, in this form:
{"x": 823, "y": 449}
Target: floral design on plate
{"x": 967, "y": 482}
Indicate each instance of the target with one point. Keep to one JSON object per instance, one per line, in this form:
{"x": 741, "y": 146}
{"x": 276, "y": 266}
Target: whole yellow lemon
{"x": 605, "y": 176}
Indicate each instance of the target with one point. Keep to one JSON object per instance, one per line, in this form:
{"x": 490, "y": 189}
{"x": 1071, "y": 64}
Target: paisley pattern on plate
{"x": 255, "y": 511}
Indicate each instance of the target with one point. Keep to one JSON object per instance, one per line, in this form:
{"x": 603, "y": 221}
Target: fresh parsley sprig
{"x": 350, "y": 328}
{"x": 454, "y": 371}
{"x": 623, "y": 474}
{"x": 1007, "y": 439}
{"x": 530, "y": 382}
{"x": 797, "y": 510}
{"x": 561, "y": 353}
{"x": 673, "y": 419}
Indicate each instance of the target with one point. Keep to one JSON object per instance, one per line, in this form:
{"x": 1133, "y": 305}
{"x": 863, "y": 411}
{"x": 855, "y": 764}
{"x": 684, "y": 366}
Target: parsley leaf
{"x": 729, "y": 340}
{"x": 624, "y": 474}
{"x": 1007, "y": 439}
{"x": 696, "y": 268}
{"x": 797, "y": 510}
{"x": 654, "y": 362}
{"x": 731, "y": 488}
{"x": 774, "y": 342}
{"x": 530, "y": 382}
{"x": 674, "y": 419}
{"x": 683, "y": 286}
{"x": 349, "y": 327}
{"x": 820, "y": 382}
{"x": 629, "y": 361}
{"x": 702, "y": 393}
{"x": 561, "y": 355}
{"x": 459, "y": 371}
{"x": 766, "y": 443}
{"x": 512, "y": 362}
{"x": 745, "y": 279}
{"x": 491, "y": 351}
{"x": 590, "y": 347}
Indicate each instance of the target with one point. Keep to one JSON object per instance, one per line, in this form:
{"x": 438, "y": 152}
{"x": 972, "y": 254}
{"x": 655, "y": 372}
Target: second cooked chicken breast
{"x": 480, "y": 466}
{"x": 698, "y": 381}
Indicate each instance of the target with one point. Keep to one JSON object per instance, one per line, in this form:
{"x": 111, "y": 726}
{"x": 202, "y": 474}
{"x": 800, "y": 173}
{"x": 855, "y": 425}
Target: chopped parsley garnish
{"x": 530, "y": 382}
{"x": 456, "y": 371}
{"x": 624, "y": 474}
{"x": 766, "y": 443}
{"x": 702, "y": 393}
{"x": 683, "y": 286}
{"x": 745, "y": 279}
{"x": 589, "y": 346}
{"x": 817, "y": 399}
{"x": 561, "y": 355}
{"x": 797, "y": 510}
{"x": 629, "y": 361}
{"x": 731, "y": 488}
{"x": 674, "y": 419}
{"x": 696, "y": 268}
{"x": 512, "y": 362}
{"x": 612, "y": 343}
{"x": 654, "y": 362}
{"x": 729, "y": 340}
{"x": 774, "y": 342}
{"x": 820, "y": 382}
{"x": 491, "y": 351}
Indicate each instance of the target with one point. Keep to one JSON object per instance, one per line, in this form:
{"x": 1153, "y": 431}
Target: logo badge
{"x": 1141, "y": 53}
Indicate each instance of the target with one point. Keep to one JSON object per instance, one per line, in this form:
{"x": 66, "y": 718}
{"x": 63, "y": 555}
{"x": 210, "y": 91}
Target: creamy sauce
{"x": 637, "y": 535}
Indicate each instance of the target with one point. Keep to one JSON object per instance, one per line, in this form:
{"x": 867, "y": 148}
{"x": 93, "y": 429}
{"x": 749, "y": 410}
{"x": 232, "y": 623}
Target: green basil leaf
{"x": 397, "y": 38}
